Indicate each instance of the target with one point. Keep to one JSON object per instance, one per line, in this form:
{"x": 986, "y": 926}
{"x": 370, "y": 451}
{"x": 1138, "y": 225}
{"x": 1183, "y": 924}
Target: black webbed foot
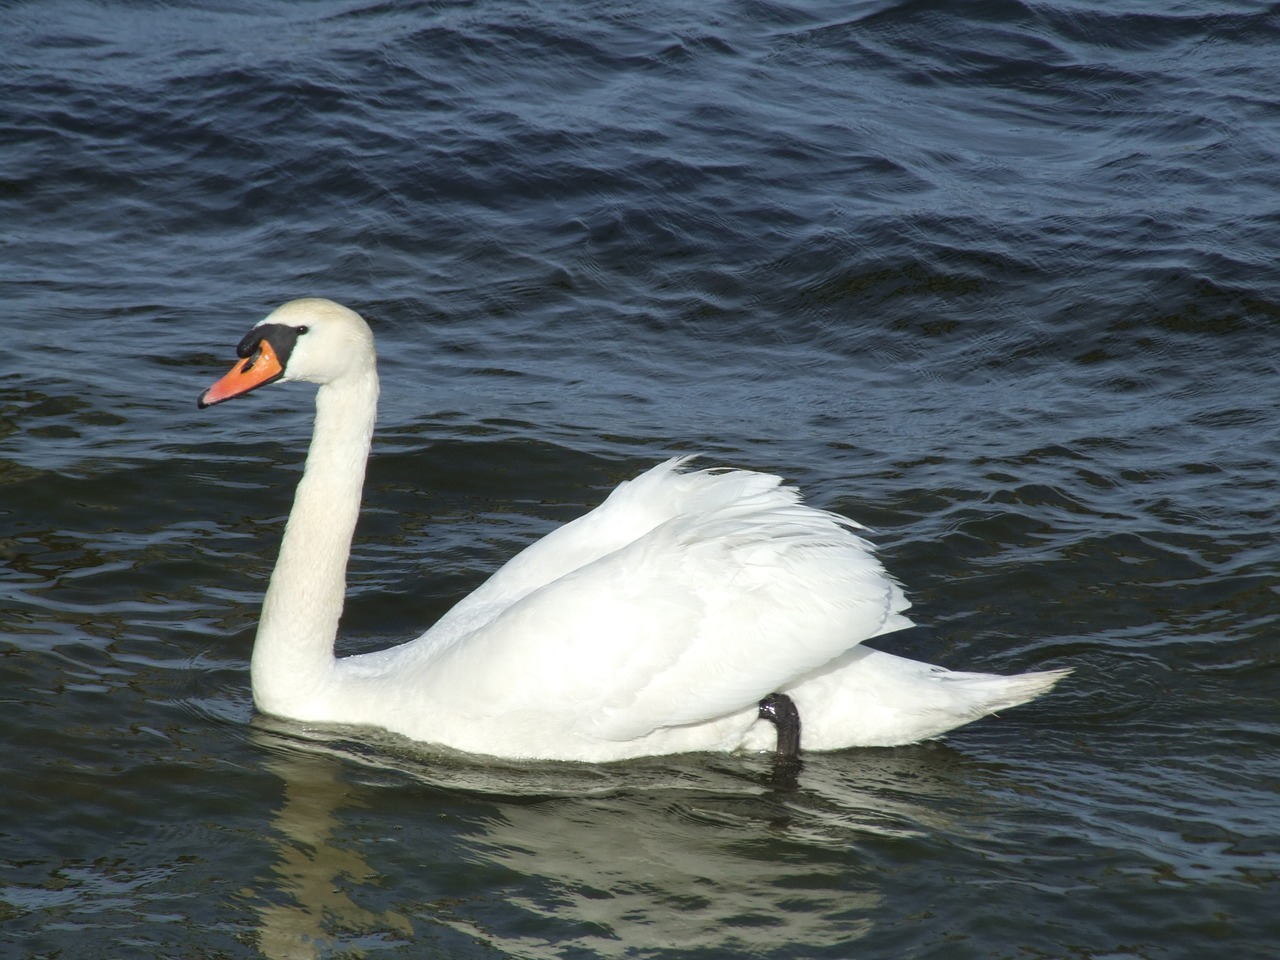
{"x": 780, "y": 710}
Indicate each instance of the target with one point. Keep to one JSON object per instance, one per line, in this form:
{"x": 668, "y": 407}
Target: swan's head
{"x": 314, "y": 340}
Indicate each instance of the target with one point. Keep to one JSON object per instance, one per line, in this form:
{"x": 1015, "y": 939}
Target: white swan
{"x": 654, "y": 624}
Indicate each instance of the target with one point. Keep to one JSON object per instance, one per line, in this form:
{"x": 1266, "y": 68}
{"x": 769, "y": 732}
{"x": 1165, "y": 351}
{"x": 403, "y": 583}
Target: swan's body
{"x": 653, "y": 624}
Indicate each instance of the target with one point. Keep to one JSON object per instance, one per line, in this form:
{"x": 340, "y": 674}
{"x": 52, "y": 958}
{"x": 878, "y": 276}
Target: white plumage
{"x": 653, "y": 624}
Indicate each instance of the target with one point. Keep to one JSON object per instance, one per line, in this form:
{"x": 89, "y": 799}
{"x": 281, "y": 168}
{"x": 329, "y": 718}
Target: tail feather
{"x": 990, "y": 692}
{"x": 868, "y": 698}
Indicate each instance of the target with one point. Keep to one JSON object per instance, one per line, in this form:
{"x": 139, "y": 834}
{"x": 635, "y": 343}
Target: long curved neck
{"x": 293, "y": 663}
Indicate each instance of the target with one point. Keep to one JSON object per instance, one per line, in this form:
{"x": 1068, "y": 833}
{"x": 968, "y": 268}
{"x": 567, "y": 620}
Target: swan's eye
{"x": 302, "y": 330}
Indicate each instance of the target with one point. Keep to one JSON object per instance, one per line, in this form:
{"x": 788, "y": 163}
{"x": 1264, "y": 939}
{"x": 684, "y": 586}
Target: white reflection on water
{"x": 693, "y": 853}
{"x": 304, "y": 902}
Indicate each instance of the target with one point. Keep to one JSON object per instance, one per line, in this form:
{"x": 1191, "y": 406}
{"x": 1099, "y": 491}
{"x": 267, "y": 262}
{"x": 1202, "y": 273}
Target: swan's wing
{"x": 698, "y": 618}
{"x": 632, "y": 509}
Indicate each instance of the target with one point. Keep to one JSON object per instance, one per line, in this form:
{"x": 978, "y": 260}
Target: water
{"x": 996, "y": 278}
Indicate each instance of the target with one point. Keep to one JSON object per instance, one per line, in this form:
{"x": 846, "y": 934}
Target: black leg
{"x": 780, "y": 710}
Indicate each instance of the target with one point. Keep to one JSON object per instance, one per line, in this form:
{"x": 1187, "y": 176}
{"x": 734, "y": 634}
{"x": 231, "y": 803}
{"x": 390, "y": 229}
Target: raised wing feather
{"x": 738, "y": 593}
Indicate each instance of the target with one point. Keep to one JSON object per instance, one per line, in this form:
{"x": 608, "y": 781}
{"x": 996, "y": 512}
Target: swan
{"x": 693, "y": 610}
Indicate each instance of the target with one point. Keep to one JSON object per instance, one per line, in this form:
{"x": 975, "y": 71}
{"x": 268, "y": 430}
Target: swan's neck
{"x": 293, "y": 663}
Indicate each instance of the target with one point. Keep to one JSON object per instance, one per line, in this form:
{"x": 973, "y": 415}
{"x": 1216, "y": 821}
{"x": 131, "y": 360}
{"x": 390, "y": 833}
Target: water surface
{"x": 996, "y": 279}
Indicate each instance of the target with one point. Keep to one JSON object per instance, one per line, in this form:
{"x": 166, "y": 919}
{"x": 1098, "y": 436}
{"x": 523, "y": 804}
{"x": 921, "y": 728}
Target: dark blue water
{"x": 996, "y": 278}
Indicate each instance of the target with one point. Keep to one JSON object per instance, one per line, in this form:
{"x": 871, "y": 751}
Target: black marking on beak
{"x": 281, "y": 336}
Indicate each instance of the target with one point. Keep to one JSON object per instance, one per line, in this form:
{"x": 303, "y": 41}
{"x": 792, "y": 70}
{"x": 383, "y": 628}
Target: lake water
{"x": 996, "y": 278}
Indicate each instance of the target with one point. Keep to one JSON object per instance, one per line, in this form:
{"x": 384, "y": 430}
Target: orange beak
{"x": 261, "y": 367}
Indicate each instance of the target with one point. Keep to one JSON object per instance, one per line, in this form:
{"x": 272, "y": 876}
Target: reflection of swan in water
{"x": 297, "y": 921}
{"x": 532, "y": 860}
